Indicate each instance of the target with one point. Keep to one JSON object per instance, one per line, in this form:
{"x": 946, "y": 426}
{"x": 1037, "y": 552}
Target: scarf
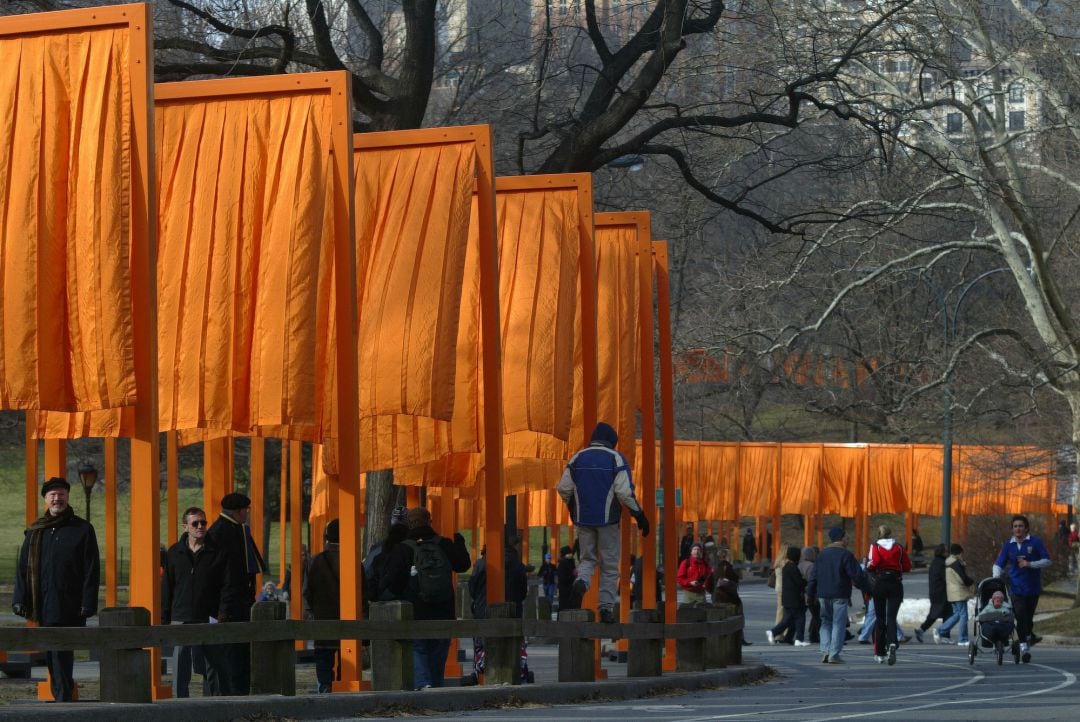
{"x": 33, "y": 566}
{"x": 253, "y": 559}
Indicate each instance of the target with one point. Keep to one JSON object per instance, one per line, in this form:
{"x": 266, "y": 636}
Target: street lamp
{"x": 88, "y": 477}
{"x": 946, "y": 431}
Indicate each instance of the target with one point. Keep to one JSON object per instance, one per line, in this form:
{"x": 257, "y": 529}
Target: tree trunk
{"x": 380, "y": 502}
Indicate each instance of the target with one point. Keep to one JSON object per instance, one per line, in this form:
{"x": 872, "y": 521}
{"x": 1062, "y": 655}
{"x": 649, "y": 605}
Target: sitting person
{"x": 269, "y": 593}
{"x": 996, "y": 620}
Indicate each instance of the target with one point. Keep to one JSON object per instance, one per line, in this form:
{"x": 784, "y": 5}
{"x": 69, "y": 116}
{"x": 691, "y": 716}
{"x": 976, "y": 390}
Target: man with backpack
{"x": 420, "y": 570}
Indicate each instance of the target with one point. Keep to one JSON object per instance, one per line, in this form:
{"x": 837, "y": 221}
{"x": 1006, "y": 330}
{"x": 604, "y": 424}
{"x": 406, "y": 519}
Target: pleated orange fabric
{"x": 842, "y": 471}
{"x": 244, "y": 263}
{"x": 65, "y": 194}
{"x": 890, "y": 467}
{"x": 757, "y": 479}
{"x": 800, "y": 478}
{"x": 617, "y": 328}
{"x": 924, "y": 496}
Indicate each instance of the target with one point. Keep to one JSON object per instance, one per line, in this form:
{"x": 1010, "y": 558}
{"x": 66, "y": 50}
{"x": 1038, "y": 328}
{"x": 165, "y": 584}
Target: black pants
{"x": 324, "y": 667}
{"x": 938, "y": 610}
{"x": 814, "y": 632}
{"x": 1024, "y": 608}
{"x": 888, "y": 594}
{"x": 228, "y": 669}
{"x": 61, "y": 666}
{"x": 794, "y": 619}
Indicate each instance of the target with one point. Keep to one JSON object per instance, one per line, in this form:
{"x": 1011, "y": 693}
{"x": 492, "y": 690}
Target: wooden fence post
{"x": 645, "y": 657}
{"x": 125, "y": 673}
{"x": 690, "y": 653}
{"x": 577, "y": 655}
{"x": 502, "y": 655}
{"x": 273, "y": 664}
{"x": 717, "y": 650}
{"x": 391, "y": 659}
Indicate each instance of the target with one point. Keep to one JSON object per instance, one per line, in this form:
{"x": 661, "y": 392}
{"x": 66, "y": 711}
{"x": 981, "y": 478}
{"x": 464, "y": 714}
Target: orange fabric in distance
{"x": 617, "y": 328}
{"x": 66, "y": 119}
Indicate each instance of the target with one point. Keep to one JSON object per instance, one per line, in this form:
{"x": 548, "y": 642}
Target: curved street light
{"x": 88, "y": 476}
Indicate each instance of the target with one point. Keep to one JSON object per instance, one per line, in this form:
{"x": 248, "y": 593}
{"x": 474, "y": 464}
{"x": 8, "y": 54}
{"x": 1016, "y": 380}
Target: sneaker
{"x": 937, "y": 637}
{"x": 962, "y": 643}
{"x": 879, "y": 659}
{"x": 836, "y": 660}
{"x": 607, "y": 616}
{"x": 918, "y": 634}
{"x": 801, "y": 644}
{"x": 769, "y": 636}
{"x": 1025, "y": 657}
{"x": 824, "y": 657}
{"x": 892, "y": 654}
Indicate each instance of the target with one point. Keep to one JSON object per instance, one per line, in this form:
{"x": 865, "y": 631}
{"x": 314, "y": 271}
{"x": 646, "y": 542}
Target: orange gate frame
{"x": 667, "y": 430}
{"x": 137, "y": 18}
{"x": 491, "y": 353}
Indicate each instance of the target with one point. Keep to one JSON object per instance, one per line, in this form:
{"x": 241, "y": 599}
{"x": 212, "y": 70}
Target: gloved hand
{"x": 642, "y": 522}
{"x": 19, "y": 610}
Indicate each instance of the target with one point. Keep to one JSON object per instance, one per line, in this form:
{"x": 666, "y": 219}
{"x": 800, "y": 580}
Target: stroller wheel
{"x": 972, "y": 651}
{"x": 999, "y": 649}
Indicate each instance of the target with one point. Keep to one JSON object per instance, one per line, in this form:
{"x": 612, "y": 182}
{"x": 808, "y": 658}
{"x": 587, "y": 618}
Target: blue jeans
{"x": 959, "y": 616}
{"x": 429, "y": 661}
{"x": 833, "y": 625}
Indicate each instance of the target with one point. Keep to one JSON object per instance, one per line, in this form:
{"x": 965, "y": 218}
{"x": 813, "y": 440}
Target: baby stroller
{"x": 997, "y": 632}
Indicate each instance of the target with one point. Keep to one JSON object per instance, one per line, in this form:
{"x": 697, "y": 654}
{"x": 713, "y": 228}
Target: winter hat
{"x": 330, "y": 533}
{"x": 564, "y": 551}
{"x": 235, "y": 502}
{"x": 547, "y": 557}
{"x": 956, "y": 549}
{"x": 836, "y": 534}
{"x": 605, "y": 434}
{"x": 57, "y": 482}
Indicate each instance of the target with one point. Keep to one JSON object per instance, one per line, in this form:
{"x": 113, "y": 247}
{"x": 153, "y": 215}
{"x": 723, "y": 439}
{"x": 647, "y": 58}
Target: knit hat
{"x": 57, "y": 482}
{"x": 956, "y": 549}
{"x": 235, "y": 502}
{"x": 330, "y": 533}
{"x": 605, "y": 434}
{"x": 836, "y": 534}
{"x": 564, "y": 551}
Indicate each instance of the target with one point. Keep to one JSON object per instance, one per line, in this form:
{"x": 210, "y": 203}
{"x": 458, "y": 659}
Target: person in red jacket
{"x": 888, "y": 560}
{"x": 693, "y": 576}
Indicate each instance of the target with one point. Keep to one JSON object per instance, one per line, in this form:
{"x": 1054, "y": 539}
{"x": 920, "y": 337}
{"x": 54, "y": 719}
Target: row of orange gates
{"x": 225, "y": 258}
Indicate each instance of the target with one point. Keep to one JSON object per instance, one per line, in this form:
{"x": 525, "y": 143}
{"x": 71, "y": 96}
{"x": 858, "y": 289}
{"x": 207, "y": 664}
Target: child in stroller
{"x": 995, "y": 622}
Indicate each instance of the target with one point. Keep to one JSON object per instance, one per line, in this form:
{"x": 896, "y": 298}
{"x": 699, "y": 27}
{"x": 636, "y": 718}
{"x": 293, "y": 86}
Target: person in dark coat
{"x": 191, "y": 588}
{"x": 58, "y": 575}
{"x": 230, "y": 664}
{"x": 939, "y": 602}
{"x": 566, "y": 572}
{"x": 515, "y": 589}
{"x": 791, "y": 598}
{"x": 749, "y": 546}
{"x": 397, "y": 581}
{"x": 686, "y": 542}
{"x": 322, "y": 592}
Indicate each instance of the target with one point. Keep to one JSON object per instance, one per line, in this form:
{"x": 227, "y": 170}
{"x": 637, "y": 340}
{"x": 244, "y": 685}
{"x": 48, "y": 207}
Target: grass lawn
{"x": 1067, "y": 623}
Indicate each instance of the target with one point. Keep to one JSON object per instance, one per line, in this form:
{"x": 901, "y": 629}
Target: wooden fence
{"x": 706, "y": 637}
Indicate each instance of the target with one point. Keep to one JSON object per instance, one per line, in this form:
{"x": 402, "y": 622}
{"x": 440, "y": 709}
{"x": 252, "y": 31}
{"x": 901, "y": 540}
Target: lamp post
{"x": 88, "y": 477}
{"x": 949, "y": 322}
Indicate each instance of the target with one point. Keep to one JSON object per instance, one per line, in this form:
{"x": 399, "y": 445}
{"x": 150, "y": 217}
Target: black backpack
{"x": 433, "y": 582}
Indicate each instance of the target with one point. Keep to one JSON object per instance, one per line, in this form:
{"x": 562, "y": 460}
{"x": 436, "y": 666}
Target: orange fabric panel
{"x": 718, "y": 469}
{"x": 757, "y": 479}
{"x": 617, "y": 328}
{"x": 924, "y": 494}
{"x": 66, "y": 127}
{"x": 244, "y": 262}
{"x": 890, "y": 468}
{"x": 538, "y": 293}
{"x": 412, "y": 231}
{"x": 800, "y": 476}
{"x": 842, "y": 469}
{"x": 689, "y": 477}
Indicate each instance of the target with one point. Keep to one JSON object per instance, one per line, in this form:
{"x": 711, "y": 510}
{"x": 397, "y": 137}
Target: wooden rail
{"x": 706, "y": 637}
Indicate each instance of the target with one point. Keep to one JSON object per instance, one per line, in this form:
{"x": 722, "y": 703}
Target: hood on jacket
{"x": 886, "y": 543}
{"x": 809, "y": 554}
{"x": 604, "y": 434}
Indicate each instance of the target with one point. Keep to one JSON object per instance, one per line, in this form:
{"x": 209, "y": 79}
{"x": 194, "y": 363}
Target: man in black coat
{"x": 241, "y": 561}
{"x": 939, "y": 601}
{"x": 58, "y": 575}
{"x": 322, "y": 592}
{"x": 190, "y": 592}
{"x": 401, "y": 579}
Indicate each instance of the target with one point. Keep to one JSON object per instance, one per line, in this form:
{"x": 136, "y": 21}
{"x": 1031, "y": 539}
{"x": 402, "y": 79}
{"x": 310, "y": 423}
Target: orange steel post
{"x": 523, "y": 515}
{"x": 110, "y": 522}
{"x": 172, "y": 486}
{"x": 31, "y": 477}
{"x": 55, "y": 458}
{"x": 257, "y": 487}
{"x": 296, "y": 521}
{"x": 647, "y": 404}
{"x": 283, "y": 511}
{"x": 667, "y": 425}
{"x": 145, "y": 586}
{"x": 215, "y": 474}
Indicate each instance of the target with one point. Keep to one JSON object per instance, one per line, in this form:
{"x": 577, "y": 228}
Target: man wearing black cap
{"x": 830, "y": 581}
{"x": 230, "y": 664}
{"x": 595, "y": 486}
{"x": 57, "y": 580}
{"x": 322, "y": 592}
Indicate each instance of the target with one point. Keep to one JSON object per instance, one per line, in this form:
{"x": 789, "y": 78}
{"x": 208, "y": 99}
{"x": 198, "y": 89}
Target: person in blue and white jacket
{"x": 1025, "y": 556}
{"x": 595, "y": 486}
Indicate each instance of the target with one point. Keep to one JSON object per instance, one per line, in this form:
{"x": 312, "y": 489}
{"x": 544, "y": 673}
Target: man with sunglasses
{"x": 191, "y": 587}
{"x": 1025, "y": 556}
